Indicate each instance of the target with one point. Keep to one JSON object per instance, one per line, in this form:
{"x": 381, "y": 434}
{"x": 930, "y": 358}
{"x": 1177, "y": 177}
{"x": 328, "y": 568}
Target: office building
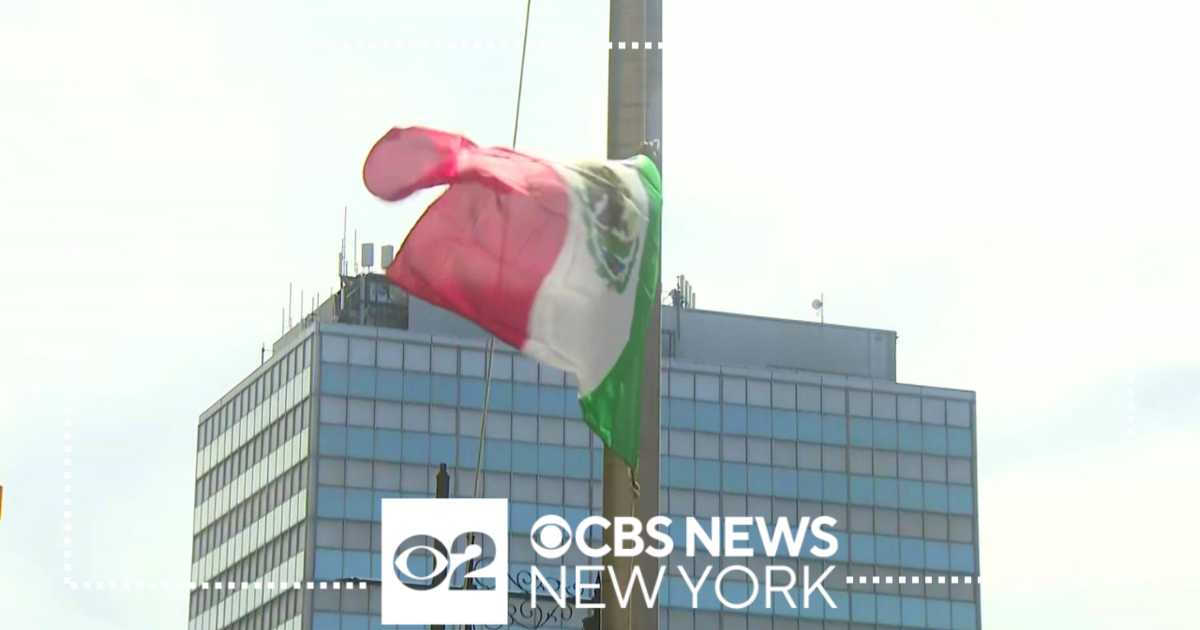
{"x": 761, "y": 417}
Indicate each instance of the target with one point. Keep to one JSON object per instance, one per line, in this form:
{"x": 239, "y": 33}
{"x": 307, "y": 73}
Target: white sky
{"x": 1010, "y": 185}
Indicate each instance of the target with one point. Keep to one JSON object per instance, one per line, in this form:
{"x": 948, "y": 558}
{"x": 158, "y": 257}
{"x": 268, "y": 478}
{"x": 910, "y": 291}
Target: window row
{"x": 356, "y": 621}
{"x": 394, "y": 386}
{"x": 363, "y": 412}
{"x": 411, "y": 478}
{"x": 450, "y": 391}
{"x": 856, "y": 519}
{"x": 788, "y": 454}
{"x": 870, "y": 495}
{"x": 835, "y": 400}
{"x": 417, "y": 357}
{"x": 250, "y": 510}
{"x": 810, "y": 485}
{"x": 808, "y": 426}
{"x": 289, "y": 425}
{"x": 353, "y": 504}
{"x": 287, "y": 606}
{"x": 420, "y": 480}
{"x": 423, "y": 448}
{"x": 253, "y": 395}
{"x": 253, "y": 424}
{"x": 334, "y": 564}
{"x": 251, "y": 568}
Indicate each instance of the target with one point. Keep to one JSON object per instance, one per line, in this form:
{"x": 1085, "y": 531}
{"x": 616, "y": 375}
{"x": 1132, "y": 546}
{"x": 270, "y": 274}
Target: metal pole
{"x": 443, "y": 492}
{"x": 634, "y": 117}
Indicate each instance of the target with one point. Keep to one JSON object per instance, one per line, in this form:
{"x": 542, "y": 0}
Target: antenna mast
{"x": 343, "y": 264}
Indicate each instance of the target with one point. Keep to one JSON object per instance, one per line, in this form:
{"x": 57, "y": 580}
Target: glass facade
{"x": 893, "y": 464}
{"x": 392, "y": 410}
{"x": 893, "y": 468}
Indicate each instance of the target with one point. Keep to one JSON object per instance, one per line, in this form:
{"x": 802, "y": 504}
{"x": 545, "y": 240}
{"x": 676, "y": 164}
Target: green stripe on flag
{"x": 614, "y": 409}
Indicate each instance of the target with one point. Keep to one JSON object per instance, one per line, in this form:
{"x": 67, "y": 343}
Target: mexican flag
{"x": 560, "y": 261}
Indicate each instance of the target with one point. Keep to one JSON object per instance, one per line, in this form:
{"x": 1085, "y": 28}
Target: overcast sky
{"x": 1009, "y": 185}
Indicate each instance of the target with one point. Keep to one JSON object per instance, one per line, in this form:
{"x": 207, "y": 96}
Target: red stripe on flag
{"x": 407, "y": 160}
{"x": 484, "y": 247}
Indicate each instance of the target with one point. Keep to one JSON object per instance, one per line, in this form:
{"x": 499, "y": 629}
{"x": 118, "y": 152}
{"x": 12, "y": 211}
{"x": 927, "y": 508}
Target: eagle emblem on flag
{"x": 612, "y": 223}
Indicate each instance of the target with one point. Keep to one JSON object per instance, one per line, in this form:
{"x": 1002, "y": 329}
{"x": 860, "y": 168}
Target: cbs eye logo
{"x": 551, "y": 536}
{"x": 421, "y": 557}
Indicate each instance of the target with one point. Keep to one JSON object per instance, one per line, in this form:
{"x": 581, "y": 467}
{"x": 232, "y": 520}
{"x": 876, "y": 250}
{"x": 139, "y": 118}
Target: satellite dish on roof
{"x": 817, "y": 305}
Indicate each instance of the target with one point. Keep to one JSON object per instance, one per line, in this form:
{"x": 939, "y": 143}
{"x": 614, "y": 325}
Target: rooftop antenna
{"x": 356, "y": 252}
{"x": 819, "y": 306}
{"x": 264, "y": 354}
{"x": 289, "y": 308}
{"x": 343, "y": 264}
{"x": 368, "y": 256}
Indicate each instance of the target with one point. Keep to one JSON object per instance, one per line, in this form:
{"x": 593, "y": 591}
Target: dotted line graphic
{"x": 268, "y": 46}
{"x": 350, "y": 586}
{"x": 226, "y": 586}
{"x": 903, "y": 579}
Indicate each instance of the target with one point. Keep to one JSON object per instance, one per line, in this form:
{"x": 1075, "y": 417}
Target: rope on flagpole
{"x": 487, "y": 390}
{"x": 521, "y": 76}
{"x": 487, "y": 371}
{"x": 637, "y": 493}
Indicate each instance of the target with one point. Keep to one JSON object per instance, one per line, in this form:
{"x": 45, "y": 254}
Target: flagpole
{"x": 634, "y": 117}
